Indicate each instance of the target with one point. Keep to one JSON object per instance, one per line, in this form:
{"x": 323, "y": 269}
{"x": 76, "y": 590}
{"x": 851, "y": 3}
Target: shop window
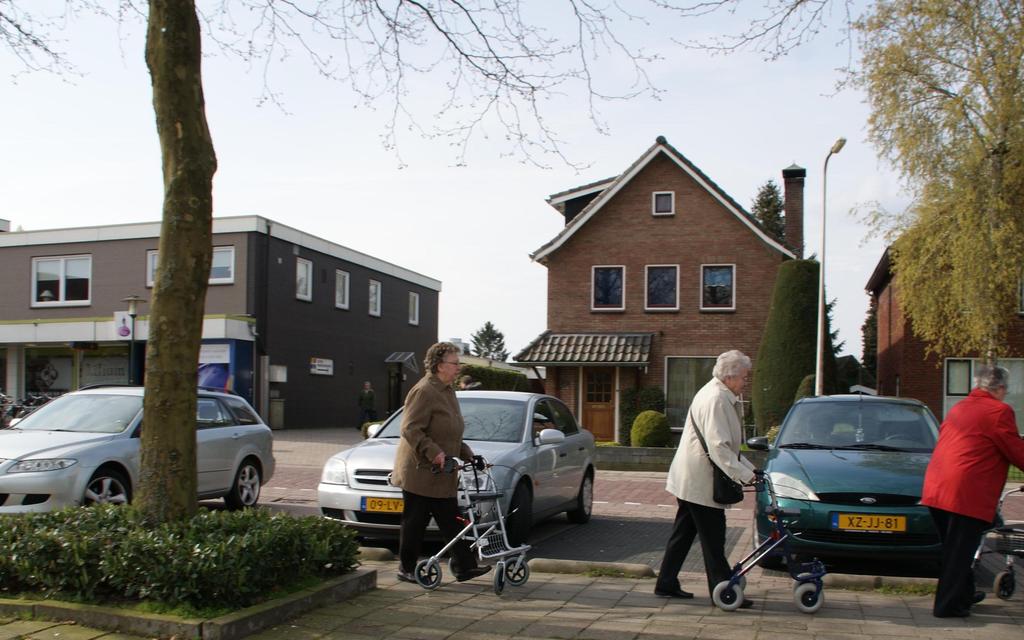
{"x": 61, "y": 281}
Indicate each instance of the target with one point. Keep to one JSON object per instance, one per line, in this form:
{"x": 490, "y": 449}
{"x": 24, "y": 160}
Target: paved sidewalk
{"x": 599, "y": 608}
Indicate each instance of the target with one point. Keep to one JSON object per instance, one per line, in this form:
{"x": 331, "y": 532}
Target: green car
{"x": 853, "y": 466}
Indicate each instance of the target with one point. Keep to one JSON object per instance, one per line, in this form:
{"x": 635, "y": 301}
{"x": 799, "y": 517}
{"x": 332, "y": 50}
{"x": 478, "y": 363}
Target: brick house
{"x": 905, "y": 368}
{"x": 655, "y": 273}
{"x": 293, "y": 322}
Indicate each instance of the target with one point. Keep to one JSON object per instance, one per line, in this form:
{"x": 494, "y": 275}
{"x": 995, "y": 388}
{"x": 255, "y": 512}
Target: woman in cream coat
{"x": 716, "y": 412}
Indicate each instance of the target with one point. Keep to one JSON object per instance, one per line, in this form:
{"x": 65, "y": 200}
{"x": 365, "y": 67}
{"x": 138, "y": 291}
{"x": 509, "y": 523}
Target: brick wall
{"x": 702, "y": 231}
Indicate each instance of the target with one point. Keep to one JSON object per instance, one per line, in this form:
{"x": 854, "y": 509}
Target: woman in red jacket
{"x": 977, "y": 443}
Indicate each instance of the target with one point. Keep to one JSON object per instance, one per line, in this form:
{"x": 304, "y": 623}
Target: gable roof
{"x": 660, "y": 146}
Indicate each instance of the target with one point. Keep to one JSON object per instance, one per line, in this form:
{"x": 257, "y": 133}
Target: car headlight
{"x": 44, "y": 464}
{"x": 334, "y": 472}
{"x": 786, "y": 486}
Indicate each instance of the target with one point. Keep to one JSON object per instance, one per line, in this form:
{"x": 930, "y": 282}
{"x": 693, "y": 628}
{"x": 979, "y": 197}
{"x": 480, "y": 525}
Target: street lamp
{"x": 133, "y": 310}
{"x": 819, "y": 369}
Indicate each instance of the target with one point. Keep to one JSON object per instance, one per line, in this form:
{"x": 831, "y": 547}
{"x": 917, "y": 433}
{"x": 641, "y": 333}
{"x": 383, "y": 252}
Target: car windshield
{"x": 487, "y": 419}
{"x": 92, "y": 413}
{"x": 865, "y": 425}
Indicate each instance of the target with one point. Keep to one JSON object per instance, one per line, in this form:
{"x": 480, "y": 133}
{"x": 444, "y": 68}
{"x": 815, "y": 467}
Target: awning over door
{"x": 566, "y": 349}
{"x": 406, "y": 358}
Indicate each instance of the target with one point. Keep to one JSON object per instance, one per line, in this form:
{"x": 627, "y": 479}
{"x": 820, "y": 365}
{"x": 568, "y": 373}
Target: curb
{"x": 228, "y": 627}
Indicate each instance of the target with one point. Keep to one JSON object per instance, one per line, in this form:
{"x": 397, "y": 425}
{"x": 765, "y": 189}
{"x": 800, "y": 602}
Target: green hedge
{"x": 650, "y": 429}
{"x": 633, "y": 402}
{"x": 494, "y": 379}
{"x": 787, "y": 353}
{"x": 217, "y": 558}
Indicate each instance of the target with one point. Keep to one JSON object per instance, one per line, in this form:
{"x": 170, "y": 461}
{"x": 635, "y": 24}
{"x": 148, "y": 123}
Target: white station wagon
{"x": 82, "y": 448}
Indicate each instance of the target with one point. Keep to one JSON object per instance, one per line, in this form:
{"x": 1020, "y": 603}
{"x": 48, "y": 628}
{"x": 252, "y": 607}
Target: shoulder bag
{"x": 725, "y": 489}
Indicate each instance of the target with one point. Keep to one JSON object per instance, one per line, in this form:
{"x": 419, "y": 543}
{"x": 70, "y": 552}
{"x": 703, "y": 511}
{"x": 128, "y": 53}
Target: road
{"x": 632, "y": 511}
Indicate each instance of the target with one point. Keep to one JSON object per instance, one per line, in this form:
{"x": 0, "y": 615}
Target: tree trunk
{"x": 167, "y": 484}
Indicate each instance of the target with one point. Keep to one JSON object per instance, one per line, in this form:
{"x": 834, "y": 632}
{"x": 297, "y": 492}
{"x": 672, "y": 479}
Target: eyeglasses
{"x": 456, "y": 362}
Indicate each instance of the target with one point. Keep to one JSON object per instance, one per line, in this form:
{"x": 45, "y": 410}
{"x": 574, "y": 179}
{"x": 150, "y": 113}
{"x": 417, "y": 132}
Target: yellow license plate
{"x": 383, "y": 505}
{"x": 869, "y": 522}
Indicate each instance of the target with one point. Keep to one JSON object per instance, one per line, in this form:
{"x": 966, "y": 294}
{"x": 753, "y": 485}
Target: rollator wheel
{"x": 727, "y": 598}
{"x": 499, "y": 578}
{"x": 517, "y": 572}
{"x": 428, "y": 573}
{"x": 808, "y": 597}
{"x": 1004, "y": 585}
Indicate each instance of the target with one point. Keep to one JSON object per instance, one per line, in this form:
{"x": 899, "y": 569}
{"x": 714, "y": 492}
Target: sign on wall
{"x": 122, "y": 325}
{"x": 321, "y": 367}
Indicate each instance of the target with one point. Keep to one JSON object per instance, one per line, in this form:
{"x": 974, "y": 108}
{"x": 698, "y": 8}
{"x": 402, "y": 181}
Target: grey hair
{"x": 436, "y": 353}
{"x": 731, "y": 363}
{"x": 991, "y": 377}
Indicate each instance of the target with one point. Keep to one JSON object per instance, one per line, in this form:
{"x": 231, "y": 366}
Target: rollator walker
{"x": 483, "y": 527}
{"x": 808, "y": 592}
{"x": 1006, "y": 538}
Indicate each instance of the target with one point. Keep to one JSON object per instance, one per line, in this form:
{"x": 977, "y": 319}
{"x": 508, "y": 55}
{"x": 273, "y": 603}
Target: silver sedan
{"x": 83, "y": 448}
{"x": 542, "y": 461}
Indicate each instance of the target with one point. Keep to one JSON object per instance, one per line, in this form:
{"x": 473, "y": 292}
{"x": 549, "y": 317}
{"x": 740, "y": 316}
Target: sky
{"x": 81, "y": 149}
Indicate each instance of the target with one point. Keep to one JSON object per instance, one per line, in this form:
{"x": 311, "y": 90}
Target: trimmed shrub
{"x": 494, "y": 379}
{"x": 231, "y": 559}
{"x": 806, "y": 388}
{"x": 787, "y": 352}
{"x": 650, "y": 429}
{"x": 632, "y": 402}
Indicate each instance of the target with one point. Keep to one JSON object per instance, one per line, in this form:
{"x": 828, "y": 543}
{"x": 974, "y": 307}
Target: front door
{"x": 599, "y": 401}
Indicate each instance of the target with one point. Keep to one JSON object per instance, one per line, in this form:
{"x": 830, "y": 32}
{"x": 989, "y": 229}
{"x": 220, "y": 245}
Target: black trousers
{"x": 415, "y": 517}
{"x": 693, "y": 520}
{"x": 960, "y": 536}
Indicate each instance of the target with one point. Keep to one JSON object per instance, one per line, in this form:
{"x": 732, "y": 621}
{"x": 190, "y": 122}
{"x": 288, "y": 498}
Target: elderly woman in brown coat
{"x": 432, "y": 429}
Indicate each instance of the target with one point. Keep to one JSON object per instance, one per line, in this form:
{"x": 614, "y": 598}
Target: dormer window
{"x": 663, "y": 203}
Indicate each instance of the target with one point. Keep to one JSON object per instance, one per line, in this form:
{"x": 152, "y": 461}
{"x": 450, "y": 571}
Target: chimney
{"x": 793, "y": 203}
{"x": 5, "y": 225}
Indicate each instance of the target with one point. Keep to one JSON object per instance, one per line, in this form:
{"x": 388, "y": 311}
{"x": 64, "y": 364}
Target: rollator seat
{"x": 478, "y": 496}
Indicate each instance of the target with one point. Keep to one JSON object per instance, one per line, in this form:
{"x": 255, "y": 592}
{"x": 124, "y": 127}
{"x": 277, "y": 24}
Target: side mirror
{"x": 759, "y": 443}
{"x": 373, "y": 429}
{"x": 550, "y": 436}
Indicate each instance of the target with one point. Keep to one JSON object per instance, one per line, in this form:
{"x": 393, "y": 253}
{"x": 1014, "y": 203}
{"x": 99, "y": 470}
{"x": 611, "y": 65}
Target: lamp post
{"x": 133, "y": 310}
{"x": 819, "y": 369}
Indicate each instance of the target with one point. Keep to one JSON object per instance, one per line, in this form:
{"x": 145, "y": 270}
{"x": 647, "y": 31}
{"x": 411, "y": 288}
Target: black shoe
{"x": 672, "y": 593}
{"x": 746, "y": 604}
{"x": 978, "y": 597}
{"x": 405, "y": 577}
{"x": 475, "y": 572}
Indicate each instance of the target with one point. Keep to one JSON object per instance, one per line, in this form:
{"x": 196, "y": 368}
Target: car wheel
{"x": 107, "y": 486}
{"x": 520, "y": 515}
{"x": 584, "y": 501}
{"x": 245, "y": 490}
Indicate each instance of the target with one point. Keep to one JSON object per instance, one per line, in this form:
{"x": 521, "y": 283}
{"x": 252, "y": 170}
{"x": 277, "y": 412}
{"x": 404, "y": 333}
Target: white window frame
{"x": 700, "y": 288}
{"x": 646, "y": 282}
{"x": 308, "y": 266}
{"x": 153, "y": 255}
{"x": 375, "y": 312}
{"x": 59, "y": 300}
{"x": 342, "y": 301}
{"x": 414, "y": 308}
{"x": 593, "y": 275}
{"x": 654, "y": 203}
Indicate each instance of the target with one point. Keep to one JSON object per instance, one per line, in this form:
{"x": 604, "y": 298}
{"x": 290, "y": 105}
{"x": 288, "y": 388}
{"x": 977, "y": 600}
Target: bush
{"x": 632, "y": 403}
{"x": 650, "y": 429}
{"x": 494, "y": 379}
{"x": 806, "y": 388}
{"x": 787, "y": 352}
{"x": 106, "y": 553}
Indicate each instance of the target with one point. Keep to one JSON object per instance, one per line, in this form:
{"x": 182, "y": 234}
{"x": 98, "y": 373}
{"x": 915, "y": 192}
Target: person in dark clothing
{"x": 367, "y": 405}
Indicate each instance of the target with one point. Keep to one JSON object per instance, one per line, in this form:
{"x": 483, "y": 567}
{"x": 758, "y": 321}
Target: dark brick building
{"x": 906, "y": 368}
{"x": 656, "y": 272}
